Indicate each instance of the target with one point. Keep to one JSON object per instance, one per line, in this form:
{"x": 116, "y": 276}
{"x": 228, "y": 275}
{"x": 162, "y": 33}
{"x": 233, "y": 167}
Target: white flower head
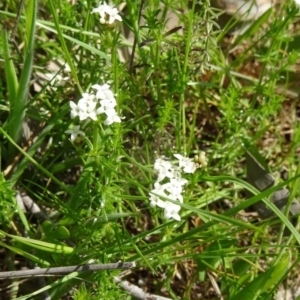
{"x": 155, "y": 199}
{"x": 75, "y": 110}
{"x": 188, "y": 165}
{"x": 91, "y": 105}
{"x": 175, "y": 188}
{"x": 87, "y": 108}
{"x": 160, "y": 163}
{"x": 172, "y": 211}
{"x": 107, "y": 14}
{"x": 164, "y": 169}
{"x": 107, "y": 107}
{"x": 103, "y": 92}
{"x": 75, "y": 132}
{"x": 114, "y": 15}
{"x": 88, "y": 97}
{"x": 112, "y": 117}
{"x": 171, "y": 188}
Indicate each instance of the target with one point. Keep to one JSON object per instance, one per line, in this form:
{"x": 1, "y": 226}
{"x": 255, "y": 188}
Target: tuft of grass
{"x": 182, "y": 85}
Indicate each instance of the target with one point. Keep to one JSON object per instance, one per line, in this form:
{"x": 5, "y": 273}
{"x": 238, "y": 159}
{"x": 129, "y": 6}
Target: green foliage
{"x": 19, "y": 91}
{"x": 7, "y": 209}
{"x": 180, "y": 88}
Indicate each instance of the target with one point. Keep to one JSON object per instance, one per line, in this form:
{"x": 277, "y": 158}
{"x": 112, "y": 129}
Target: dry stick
{"x": 137, "y": 292}
{"x": 135, "y": 39}
{"x": 13, "y": 34}
{"x": 69, "y": 269}
{"x": 215, "y": 286}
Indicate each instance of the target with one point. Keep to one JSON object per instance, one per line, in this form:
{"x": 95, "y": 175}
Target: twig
{"x": 68, "y": 269}
{"x": 137, "y": 292}
{"x": 215, "y": 286}
{"x": 13, "y": 34}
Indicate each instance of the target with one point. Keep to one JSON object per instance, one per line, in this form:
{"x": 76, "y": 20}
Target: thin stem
{"x": 69, "y": 269}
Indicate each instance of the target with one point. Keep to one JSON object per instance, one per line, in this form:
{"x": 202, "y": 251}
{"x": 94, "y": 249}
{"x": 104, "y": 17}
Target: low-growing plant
{"x": 124, "y": 132}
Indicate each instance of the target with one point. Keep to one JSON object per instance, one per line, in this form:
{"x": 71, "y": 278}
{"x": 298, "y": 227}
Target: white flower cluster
{"x": 93, "y": 104}
{"x": 90, "y": 105}
{"x": 172, "y": 187}
{"x": 107, "y": 13}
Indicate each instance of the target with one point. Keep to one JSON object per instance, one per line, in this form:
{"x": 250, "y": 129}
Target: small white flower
{"x": 114, "y": 15}
{"x": 109, "y": 102}
{"x": 75, "y": 110}
{"x": 160, "y": 163}
{"x": 75, "y": 132}
{"x": 164, "y": 169}
{"x": 88, "y": 109}
{"x": 108, "y": 96}
{"x": 155, "y": 199}
{"x": 102, "y": 87}
{"x": 107, "y": 14}
{"x": 188, "y": 165}
{"x": 88, "y": 97}
{"x": 107, "y": 107}
{"x": 172, "y": 211}
{"x": 112, "y": 117}
{"x": 103, "y": 91}
{"x": 102, "y": 9}
{"x": 175, "y": 188}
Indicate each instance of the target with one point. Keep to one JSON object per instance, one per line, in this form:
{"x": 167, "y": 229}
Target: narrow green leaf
{"x": 97, "y": 222}
{"x": 263, "y": 282}
{"x": 76, "y": 41}
{"x": 30, "y": 159}
{"x": 21, "y": 214}
{"x": 240, "y": 270}
{"x": 59, "y": 232}
{"x": 63, "y": 44}
{"x": 213, "y": 261}
{"x": 17, "y": 112}
{"x": 23, "y": 253}
{"x": 44, "y": 246}
{"x": 49, "y": 286}
{"x": 241, "y": 266}
{"x": 10, "y": 72}
{"x": 259, "y": 196}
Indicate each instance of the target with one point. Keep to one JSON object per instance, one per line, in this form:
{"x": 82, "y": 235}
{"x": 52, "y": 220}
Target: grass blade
{"x": 17, "y": 113}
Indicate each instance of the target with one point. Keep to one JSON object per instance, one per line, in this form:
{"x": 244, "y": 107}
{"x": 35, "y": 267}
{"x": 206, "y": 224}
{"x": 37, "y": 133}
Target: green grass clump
{"x": 175, "y": 87}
